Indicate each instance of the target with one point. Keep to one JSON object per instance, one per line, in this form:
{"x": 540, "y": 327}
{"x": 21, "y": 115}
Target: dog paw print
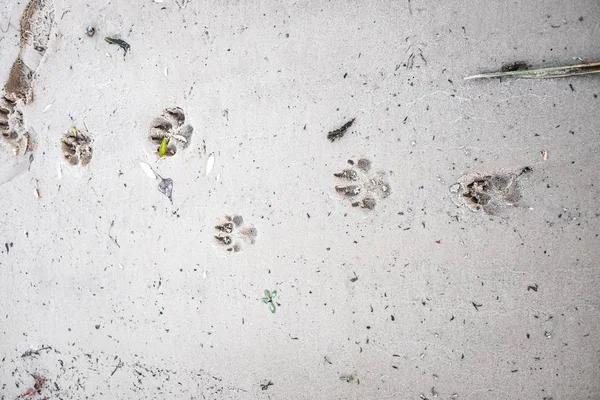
{"x": 489, "y": 192}
{"x": 169, "y": 132}
{"x": 12, "y": 128}
{"x": 233, "y": 232}
{"x": 362, "y": 187}
{"x": 76, "y": 146}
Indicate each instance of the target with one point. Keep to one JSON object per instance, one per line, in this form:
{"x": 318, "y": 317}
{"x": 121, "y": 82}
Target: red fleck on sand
{"x": 37, "y": 387}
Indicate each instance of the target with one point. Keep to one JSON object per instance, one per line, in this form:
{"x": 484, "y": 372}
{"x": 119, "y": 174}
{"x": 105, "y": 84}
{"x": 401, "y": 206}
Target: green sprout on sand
{"x": 269, "y": 299}
{"x": 162, "y": 149}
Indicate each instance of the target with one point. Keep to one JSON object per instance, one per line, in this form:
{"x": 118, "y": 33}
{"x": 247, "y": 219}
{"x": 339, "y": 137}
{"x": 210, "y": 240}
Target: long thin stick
{"x": 552, "y": 72}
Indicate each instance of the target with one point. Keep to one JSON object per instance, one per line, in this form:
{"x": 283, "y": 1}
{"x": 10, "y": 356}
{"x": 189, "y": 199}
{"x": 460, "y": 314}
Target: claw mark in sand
{"x": 172, "y": 127}
{"x": 230, "y": 232}
{"x": 76, "y": 147}
{"x": 489, "y": 192}
{"x": 361, "y": 183}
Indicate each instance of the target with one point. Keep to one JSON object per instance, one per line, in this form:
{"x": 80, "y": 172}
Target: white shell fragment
{"x": 210, "y": 163}
{"x": 148, "y": 170}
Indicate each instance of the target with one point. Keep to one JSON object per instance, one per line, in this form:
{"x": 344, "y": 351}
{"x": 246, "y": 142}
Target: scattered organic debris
{"x": 355, "y": 277}
{"x": 265, "y": 386}
{"x": 64, "y": 373}
{"x": 169, "y": 132}
{"x": 76, "y": 147}
{"x": 269, "y": 299}
{"x": 121, "y": 43}
{"x": 520, "y": 70}
{"x": 410, "y": 62}
{"x": 347, "y": 378}
{"x": 340, "y": 132}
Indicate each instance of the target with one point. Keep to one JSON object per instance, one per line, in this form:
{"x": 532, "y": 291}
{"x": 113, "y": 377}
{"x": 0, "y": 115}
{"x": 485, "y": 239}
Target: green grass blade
{"x": 551, "y": 72}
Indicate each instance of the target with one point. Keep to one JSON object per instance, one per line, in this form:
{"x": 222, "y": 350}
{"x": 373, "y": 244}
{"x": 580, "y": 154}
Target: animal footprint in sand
{"x": 171, "y": 131}
{"x": 12, "y": 128}
{"x": 233, "y": 231}
{"x": 489, "y": 192}
{"x": 371, "y": 187}
{"x": 76, "y": 147}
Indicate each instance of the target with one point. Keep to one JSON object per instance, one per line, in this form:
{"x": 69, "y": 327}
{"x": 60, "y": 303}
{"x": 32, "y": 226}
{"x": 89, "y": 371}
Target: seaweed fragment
{"x": 121, "y": 43}
{"x": 340, "y": 132}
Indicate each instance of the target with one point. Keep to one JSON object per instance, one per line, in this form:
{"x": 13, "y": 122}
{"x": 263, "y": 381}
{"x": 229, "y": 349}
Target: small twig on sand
{"x": 30, "y": 353}
{"x": 119, "y": 365}
{"x": 552, "y": 72}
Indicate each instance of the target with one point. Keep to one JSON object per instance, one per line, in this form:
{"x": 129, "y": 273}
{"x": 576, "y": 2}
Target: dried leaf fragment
{"x": 166, "y": 187}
